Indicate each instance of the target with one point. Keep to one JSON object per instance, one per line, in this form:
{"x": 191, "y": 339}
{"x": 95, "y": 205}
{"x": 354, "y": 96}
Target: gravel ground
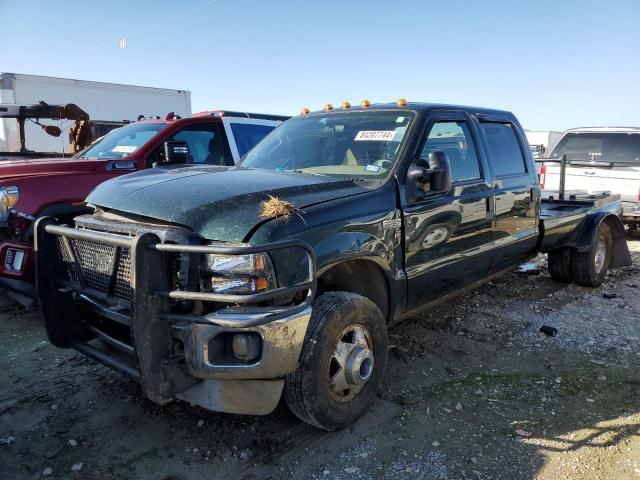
{"x": 473, "y": 390}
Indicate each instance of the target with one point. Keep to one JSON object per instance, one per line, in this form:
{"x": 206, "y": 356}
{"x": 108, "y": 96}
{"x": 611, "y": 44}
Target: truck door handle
{"x": 589, "y": 172}
{"x": 533, "y": 197}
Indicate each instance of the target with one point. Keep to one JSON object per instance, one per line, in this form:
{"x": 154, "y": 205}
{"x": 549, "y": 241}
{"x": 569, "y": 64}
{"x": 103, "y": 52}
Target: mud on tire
{"x": 310, "y": 391}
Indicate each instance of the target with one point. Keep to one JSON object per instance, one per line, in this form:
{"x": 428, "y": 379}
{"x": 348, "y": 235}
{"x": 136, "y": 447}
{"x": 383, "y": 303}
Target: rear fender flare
{"x": 586, "y": 235}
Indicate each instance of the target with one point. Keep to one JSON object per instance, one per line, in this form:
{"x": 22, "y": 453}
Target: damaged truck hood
{"x": 217, "y": 203}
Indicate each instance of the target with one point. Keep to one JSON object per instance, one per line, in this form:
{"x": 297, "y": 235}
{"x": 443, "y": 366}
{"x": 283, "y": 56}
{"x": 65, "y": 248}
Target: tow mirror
{"x": 429, "y": 179}
{"x": 176, "y": 152}
{"x": 440, "y": 170}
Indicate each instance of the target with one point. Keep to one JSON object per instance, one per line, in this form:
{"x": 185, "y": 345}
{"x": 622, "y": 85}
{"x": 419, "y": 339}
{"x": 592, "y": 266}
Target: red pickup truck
{"x": 31, "y": 188}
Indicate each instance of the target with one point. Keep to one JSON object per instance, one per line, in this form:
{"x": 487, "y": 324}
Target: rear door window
{"x": 505, "y": 153}
{"x": 248, "y": 135}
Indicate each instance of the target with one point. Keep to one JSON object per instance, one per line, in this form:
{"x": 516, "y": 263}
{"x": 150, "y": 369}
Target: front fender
{"x": 368, "y": 227}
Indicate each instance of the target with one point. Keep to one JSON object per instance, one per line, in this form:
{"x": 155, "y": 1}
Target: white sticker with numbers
{"x": 375, "y": 135}
{"x": 124, "y": 149}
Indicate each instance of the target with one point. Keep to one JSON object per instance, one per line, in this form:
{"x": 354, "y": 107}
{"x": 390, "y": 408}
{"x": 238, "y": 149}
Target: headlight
{"x": 8, "y": 198}
{"x": 239, "y": 274}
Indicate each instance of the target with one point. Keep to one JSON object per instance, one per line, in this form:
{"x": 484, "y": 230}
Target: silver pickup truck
{"x": 599, "y": 159}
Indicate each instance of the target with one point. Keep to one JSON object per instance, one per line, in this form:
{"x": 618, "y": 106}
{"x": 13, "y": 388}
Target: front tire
{"x": 342, "y": 363}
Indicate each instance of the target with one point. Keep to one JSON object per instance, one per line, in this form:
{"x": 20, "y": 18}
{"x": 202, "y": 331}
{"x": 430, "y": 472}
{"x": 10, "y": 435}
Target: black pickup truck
{"x": 227, "y": 286}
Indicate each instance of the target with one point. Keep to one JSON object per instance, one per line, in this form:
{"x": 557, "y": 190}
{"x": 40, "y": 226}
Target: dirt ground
{"x": 473, "y": 390}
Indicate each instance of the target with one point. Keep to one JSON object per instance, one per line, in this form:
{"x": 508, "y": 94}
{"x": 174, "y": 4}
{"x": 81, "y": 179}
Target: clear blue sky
{"x": 556, "y": 64}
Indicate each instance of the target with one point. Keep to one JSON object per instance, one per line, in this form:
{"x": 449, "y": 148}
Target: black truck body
{"x": 225, "y": 286}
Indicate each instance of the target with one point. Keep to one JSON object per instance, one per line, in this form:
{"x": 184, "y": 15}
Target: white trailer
{"x": 542, "y": 141}
{"x": 102, "y": 101}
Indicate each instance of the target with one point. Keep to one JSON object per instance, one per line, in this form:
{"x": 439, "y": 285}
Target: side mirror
{"x": 429, "y": 179}
{"x": 440, "y": 170}
{"x": 176, "y": 152}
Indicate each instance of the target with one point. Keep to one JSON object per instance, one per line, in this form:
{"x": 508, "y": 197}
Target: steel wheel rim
{"x": 601, "y": 253}
{"x": 351, "y": 364}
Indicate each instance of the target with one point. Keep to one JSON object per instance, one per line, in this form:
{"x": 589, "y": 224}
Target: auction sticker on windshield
{"x": 124, "y": 149}
{"x": 375, "y": 135}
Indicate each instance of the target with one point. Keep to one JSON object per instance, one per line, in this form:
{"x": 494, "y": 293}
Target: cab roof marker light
{"x": 304, "y": 111}
{"x": 402, "y": 102}
{"x": 346, "y": 105}
{"x": 328, "y": 106}
{"x": 365, "y": 103}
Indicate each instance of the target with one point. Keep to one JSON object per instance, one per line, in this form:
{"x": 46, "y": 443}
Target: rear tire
{"x": 342, "y": 363}
{"x": 589, "y": 268}
{"x": 559, "y": 263}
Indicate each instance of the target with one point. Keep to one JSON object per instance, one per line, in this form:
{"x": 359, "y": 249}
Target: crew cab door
{"x": 516, "y": 192}
{"x": 448, "y": 236}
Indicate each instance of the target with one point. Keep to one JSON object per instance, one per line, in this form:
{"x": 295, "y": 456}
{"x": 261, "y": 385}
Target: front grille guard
{"x": 149, "y": 318}
{"x": 223, "y": 317}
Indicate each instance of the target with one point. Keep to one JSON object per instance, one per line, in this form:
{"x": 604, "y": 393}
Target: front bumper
{"x": 173, "y": 355}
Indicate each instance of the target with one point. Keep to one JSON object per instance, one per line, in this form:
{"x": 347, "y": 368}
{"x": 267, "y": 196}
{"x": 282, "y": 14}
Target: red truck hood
{"x": 46, "y": 166}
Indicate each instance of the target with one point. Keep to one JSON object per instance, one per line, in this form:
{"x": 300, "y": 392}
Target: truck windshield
{"x": 360, "y": 144}
{"x": 620, "y": 148}
{"x": 122, "y": 142}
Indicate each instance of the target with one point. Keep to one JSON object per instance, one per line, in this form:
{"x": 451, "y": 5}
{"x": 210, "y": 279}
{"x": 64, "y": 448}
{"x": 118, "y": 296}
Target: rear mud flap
{"x": 620, "y": 255}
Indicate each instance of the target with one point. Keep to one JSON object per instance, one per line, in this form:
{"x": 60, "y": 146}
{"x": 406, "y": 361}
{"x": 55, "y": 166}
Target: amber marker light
{"x": 402, "y": 102}
{"x": 365, "y": 103}
{"x": 346, "y": 105}
{"x": 304, "y": 111}
{"x": 261, "y": 284}
{"x": 328, "y": 106}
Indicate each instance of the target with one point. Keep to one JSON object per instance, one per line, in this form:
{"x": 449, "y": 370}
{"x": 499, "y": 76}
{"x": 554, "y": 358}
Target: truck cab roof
{"x": 420, "y": 107}
{"x": 216, "y": 114}
{"x": 604, "y": 130}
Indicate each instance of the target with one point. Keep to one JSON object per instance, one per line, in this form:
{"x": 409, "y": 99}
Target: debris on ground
{"x": 529, "y": 268}
{"x": 548, "y": 331}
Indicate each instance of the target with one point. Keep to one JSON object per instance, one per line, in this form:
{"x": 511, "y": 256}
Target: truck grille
{"x": 104, "y": 268}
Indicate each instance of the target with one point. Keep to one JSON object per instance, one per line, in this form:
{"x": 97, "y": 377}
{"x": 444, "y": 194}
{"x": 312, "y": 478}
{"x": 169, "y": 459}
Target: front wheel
{"x": 342, "y": 362}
